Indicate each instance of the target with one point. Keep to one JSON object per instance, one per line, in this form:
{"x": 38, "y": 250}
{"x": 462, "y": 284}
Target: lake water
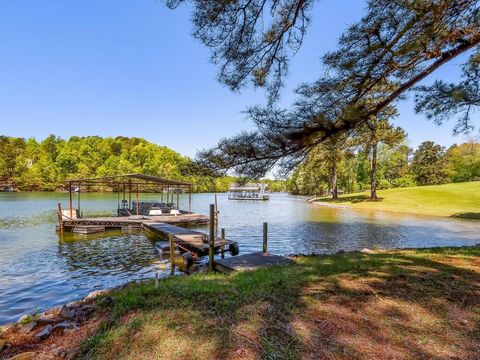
{"x": 40, "y": 269}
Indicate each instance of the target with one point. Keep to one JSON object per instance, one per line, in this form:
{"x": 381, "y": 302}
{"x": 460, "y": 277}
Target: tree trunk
{"x": 373, "y": 173}
{"x": 333, "y": 182}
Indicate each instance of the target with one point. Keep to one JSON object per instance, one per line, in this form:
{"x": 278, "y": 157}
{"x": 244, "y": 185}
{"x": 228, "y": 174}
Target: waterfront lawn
{"x": 460, "y": 200}
{"x": 384, "y": 305}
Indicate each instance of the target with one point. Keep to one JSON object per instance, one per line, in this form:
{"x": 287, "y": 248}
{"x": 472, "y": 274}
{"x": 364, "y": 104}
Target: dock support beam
{"x": 222, "y": 232}
{"x": 172, "y": 254}
{"x": 71, "y": 201}
{"x": 60, "y": 219}
{"x": 265, "y": 238}
{"x": 211, "y": 248}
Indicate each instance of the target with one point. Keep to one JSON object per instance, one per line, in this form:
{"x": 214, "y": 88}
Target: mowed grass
{"x": 452, "y": 200}
{"x": 412, "y": 304}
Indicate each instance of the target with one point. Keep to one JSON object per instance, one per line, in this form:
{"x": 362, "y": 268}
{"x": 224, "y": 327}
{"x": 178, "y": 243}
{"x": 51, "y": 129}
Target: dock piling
{"x": 222, "y": 232}
{"x": 211, "y": 249}
{"x": 172, "y": 254}
{"x": 265, "y": 238}
{"x": 60, "y": 218}
{"x": 156, "y": 279}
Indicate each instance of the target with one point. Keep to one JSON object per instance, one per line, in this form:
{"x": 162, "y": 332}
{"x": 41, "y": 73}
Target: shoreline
{"x": 349, "y": 207}
{"x": 74, "y": 328}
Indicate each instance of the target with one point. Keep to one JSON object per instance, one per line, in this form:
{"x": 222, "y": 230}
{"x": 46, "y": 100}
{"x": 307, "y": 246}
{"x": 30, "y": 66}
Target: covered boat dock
{"x": 131, "y": 211}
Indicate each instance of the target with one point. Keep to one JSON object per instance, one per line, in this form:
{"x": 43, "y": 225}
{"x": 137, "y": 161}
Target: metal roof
{"x": 146, "y": 179}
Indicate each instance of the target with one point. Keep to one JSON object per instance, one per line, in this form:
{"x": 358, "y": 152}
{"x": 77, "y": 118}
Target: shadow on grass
{"x": 399, "y": 305}
{"x": 467, "y": 215}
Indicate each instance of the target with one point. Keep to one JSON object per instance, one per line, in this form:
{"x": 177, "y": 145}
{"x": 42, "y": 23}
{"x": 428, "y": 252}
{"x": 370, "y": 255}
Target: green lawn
{"x": 451, "y": 200}
{"x": 412, "y": 304}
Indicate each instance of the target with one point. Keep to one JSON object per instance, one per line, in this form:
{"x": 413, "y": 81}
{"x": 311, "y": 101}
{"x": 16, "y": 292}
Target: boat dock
{"x": 163, "y": 217}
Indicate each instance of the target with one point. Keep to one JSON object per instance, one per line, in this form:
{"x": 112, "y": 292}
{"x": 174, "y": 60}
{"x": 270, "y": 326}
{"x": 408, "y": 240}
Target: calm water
{"x": 39, "y": 269}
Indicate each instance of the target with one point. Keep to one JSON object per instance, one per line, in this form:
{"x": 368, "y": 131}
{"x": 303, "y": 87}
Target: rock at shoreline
{"x": 45, "y": 333}
{"x": 26, "y": 328}
{"x": 24, "y": 356}
{"x": 67, "y": 313}
{"x": 63, "y": 326}
{"x": 94, "y": 294}
{"x": 366, "y": 251}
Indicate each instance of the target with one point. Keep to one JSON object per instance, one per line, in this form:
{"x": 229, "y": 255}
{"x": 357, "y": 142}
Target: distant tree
{"x": 429, "y": 164}
{"x": 377, "y": 131}
{"x": 463, "y": 161}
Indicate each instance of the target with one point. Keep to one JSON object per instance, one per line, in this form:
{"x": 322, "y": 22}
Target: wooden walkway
{"x": 249, "y": 262}
{"x": 192, "y": 241}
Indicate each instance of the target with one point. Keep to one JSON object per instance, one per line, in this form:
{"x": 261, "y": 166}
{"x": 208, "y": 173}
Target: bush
{"x": 384, "y": 184}
{"x": 405, "y": 181}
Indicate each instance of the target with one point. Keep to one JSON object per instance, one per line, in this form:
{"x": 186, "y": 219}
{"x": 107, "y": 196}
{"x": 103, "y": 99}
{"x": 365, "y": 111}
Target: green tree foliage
{"x": 395, "y": 46}
{"x": 396, "y": 167}
{"x": 429, "y": 164}
{"x": 463, "y": 162}
{"x": 44, "y": 165}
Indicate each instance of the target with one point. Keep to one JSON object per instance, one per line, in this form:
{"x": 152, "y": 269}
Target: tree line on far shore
{"x": 347, "y": 165}
{"x": 32, "y": 165}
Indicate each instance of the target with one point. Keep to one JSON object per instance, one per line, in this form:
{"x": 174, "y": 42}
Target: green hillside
{"x": 451, "y": 200}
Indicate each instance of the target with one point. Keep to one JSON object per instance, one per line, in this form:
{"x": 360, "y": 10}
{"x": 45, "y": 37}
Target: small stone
{"x": 107, "y": 300}
{"x": 65, "y": 325}
{"x": 26, "y": 328}
{"x": 67, "y": 313}
{"x": 24, "y": 356}
{"x": 366, "y": 251}
{"x": 5, "y": 328}
{"x": 45, "y": 333}
{"x": 88, "y": 308}
{"x": 44, "y": 321}
{"x": 94, "y": 294}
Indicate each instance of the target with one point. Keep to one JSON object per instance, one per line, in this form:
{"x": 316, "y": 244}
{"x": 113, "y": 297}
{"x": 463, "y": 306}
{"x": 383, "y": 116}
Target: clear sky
{"x": 132, "y": 68}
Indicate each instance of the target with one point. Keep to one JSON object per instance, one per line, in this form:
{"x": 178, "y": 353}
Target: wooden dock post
{"x": 265, "y": 238}
{"x": 222, "y": 232}
{"x": 211, "y": 249}
{"x": 71, "y": 201}
{"x": 60, "y": 218}
{"x": 172, "y": 254}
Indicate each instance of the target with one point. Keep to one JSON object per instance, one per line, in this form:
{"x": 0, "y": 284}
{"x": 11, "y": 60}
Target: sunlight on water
{"x": 40, "y": 269}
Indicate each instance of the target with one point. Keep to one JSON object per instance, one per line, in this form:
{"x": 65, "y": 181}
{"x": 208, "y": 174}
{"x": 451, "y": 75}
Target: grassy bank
{"x": 460, "y": 200}
{"x": 388, "y": 305}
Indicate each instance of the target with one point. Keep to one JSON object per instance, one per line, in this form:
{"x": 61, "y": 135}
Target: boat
{"x": 256, "y": 191}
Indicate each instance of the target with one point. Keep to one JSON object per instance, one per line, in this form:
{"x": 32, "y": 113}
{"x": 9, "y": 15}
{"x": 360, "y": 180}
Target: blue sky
{"x": 132, "y": 68}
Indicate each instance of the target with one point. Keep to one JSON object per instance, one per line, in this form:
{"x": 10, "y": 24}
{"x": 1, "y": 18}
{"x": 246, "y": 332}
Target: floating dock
{"x": 194, "y": 242}
{"x": 248, "y": 262}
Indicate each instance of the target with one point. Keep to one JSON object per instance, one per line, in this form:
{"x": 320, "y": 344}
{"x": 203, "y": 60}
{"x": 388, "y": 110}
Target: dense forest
{"x": 32, "y": 165}
{"x": 347, "y": 166}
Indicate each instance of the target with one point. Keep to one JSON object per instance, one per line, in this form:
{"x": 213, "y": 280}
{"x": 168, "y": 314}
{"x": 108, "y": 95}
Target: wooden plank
{"x": 186, "y": 237}
{"x": 249, "y": 262}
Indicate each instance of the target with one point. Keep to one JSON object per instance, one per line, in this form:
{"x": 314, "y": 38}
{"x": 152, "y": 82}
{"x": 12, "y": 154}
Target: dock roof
{"x": 127, "y": 178}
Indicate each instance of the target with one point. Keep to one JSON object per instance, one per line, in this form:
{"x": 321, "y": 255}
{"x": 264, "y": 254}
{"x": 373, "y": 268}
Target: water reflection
{"x": 39, "y": 268}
